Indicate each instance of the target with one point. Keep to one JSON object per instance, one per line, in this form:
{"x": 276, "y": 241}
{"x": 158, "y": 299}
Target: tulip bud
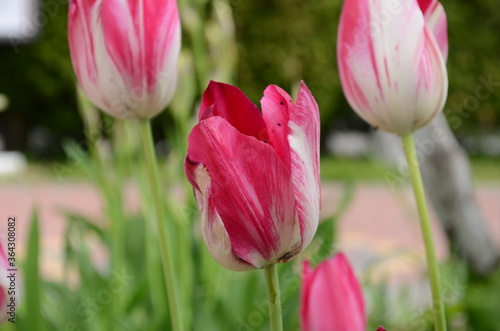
{"x": 255, "y": 175}
{"x": 331, "y": 297}
{"x": 125, "y": 54}
{"x": 391, "y": 67}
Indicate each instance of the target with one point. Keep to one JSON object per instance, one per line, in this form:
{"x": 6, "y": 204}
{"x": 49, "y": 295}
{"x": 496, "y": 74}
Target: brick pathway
{"x": 379, "y": 230}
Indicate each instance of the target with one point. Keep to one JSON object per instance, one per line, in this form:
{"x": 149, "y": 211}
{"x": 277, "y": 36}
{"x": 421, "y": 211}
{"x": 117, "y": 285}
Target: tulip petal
{"x": 276, "y": 108}
{"x": 391, "y": 67}
{"x": 214, "y": 233}
{"x": 251, "y": 189}
{"x": 436, "y": 19}
{"x": 331, "y": 298}
{"x": 88, "y": 52}
{"x": 304, "y": 136}
{"x": 230, "y": 103}
{"x": 143, "y": 41}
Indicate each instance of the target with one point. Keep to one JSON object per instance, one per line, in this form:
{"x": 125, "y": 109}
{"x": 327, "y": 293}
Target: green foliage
{"x": 38, "y": 79}
{"x": 483, "y": 303}
{"x": 474, "y": 53}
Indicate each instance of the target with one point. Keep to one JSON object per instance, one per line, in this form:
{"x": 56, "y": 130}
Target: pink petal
{"x": 381, "y": 328}
{"x": 304, "y": 136}
{"x": 251, "y": 191}
{"x": 332, "y": 298}
{"x": 214, "y": 233}
{"x": 435, "y": 17}
{"x": 139, "y": 36}
{"x": 392, "y": 71}
{"x": 81, "y": 38}
{"x": 230, "y": 103}
{"x": 143, "y": 41}
{"x": 276, "y": 108}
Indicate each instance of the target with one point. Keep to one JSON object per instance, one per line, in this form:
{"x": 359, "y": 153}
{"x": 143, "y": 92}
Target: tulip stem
{"x": 430, "y": 251}
{"x": 273, "y": 294}
{"x": 167, "y": 258}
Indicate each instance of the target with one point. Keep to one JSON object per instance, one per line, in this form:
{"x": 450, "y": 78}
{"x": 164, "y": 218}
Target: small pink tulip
{"x": 391, "y": 64}
{"x": 5, "y": 296}
{"x": 255, "y": 175}
{"x": 125, "y": 52}
{"x": 331, "y": 297}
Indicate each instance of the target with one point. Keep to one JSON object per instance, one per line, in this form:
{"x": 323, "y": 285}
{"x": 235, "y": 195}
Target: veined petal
{"x": 230, "y": 103}
{"x": 214, "y": 233}
{"x": 276, "y": 108}
{"x": 251, "y": 190}
{"x": 435, "y": 17}
{"x": 304, "y": 136}
{"x": 391, "y": 68}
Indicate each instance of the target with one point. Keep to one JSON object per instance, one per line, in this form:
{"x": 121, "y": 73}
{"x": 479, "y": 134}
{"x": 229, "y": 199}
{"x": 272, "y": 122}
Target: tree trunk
{"x": 448, "y": 182}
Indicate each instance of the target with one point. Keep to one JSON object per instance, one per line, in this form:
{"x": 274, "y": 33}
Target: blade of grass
{"x": 33, "y": 282}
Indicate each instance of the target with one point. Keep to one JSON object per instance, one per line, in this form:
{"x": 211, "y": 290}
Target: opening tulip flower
{"x": 392, "y": 66}
{"x": 125, "y": 53}
{"x": 256, "y": 175}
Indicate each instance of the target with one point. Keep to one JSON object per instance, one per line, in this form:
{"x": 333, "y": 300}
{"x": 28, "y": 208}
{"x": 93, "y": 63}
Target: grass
{"x": 375, "y": 170}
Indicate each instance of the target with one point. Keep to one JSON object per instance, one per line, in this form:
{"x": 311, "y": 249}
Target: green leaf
{"x": 33, "y": 282}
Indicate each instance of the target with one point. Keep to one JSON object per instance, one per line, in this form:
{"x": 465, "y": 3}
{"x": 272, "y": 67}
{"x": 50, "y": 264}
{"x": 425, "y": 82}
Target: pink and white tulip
{"x": 331, "y": 297}
{"x": 5, "y": 296}
{"x": 125, "y": 53}
{"x": 256, "y": 175}
{"x": 391, "y": 65}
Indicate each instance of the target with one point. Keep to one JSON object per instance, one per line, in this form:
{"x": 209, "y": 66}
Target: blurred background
{"x": 253, "y": 44}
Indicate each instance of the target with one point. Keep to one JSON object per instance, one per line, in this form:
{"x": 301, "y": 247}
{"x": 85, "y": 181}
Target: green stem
{"x": 430, "y": 251}
{"x": 273, "y": 295}
{"x": 166, "y": 255}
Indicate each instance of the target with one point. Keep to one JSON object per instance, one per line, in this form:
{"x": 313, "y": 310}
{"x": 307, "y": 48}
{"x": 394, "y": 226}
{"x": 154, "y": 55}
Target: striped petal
{"x": 251, "y": 192}
{"x": 276, "y": 108}
{"x": 304, "y": 138}
{"x": 435, "y": 17}
{"x": 391, "y": 67}
{"x": 214, "y": 232}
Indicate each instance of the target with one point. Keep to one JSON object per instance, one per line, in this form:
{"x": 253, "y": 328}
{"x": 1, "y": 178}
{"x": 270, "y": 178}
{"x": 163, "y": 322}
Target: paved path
{"x": 379, "y": 229}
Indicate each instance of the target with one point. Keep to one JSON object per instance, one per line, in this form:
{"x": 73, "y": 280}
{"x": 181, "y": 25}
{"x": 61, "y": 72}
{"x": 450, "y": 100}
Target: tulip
{"x": 391, "y": 66}
{"x": 255, "y": 175}
{"x": 331, "y": 297}
{"x": 124, "y": 54}
{"x": 5, "y": 296}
